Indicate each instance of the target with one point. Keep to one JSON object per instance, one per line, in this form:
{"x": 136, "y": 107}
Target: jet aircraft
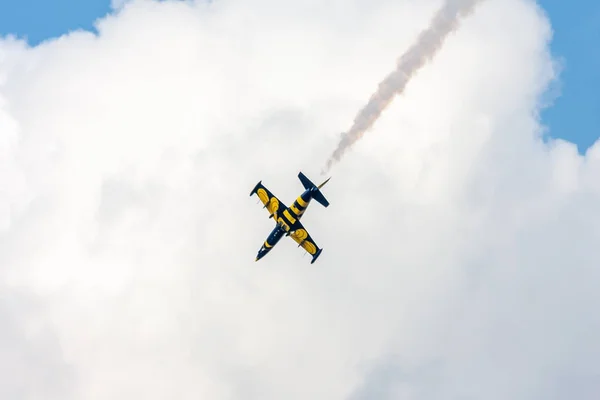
{"x": 287, "y": 219}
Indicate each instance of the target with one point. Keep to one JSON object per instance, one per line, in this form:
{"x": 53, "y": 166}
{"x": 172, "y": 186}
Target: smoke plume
{"x": 427, "y": 45}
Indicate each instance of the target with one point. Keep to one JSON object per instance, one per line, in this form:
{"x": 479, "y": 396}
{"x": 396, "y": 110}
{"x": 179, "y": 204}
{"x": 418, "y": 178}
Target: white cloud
{"x": 118, "y": 4}
{"x": 459, "y": 250}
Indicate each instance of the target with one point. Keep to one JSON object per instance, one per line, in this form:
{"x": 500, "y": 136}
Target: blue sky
{"x": 42, "y": 19}
{"x": 575, "y": 115}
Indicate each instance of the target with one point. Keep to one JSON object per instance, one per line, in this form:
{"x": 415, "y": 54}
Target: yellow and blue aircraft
{"x": 287, "y": 219}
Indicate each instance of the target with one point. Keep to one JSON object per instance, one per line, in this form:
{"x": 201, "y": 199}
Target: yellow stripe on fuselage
{"x": 301, "y": 202}
{"x": 289, "y": 217}
{"x": 295, "y": 210}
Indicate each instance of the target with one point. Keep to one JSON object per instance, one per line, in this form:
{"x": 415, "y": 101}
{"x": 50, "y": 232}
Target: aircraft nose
{"x": 260, "y": 254}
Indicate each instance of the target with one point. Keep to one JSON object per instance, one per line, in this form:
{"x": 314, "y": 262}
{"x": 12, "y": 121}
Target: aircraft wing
{"x": 304, "y": 240}
{"x": 268, "y": 199}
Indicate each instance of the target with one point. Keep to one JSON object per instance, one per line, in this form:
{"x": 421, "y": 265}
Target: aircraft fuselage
{"x": 286, "y": 222}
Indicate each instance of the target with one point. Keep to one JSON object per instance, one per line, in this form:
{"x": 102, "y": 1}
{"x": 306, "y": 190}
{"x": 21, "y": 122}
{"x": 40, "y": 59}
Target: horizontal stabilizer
{"x": 318, "y": 196}
{"x": 305, "y": 181}
{"x": 315, "y": 192}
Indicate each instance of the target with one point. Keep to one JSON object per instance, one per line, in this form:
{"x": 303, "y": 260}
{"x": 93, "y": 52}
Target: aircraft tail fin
{"x": 316, "y": 193}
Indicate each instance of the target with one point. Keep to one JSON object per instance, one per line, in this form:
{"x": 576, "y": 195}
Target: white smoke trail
{"x": 427, "y": 45}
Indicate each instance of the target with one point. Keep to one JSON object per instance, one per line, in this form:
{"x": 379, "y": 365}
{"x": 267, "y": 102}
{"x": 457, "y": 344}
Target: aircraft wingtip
{"x": 317, "y": 254}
